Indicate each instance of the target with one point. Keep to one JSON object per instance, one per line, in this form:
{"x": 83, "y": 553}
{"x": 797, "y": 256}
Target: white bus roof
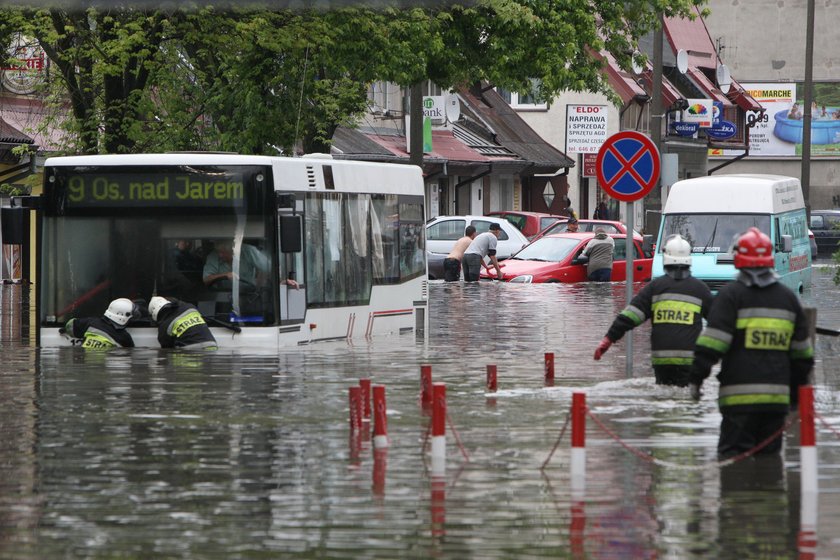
{"x": 737, "y": 193}
{"x": 294, "y": 173}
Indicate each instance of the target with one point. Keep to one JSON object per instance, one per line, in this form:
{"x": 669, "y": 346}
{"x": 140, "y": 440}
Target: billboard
{"x": 586, "y": 128}
{"x": 778, "y": 132}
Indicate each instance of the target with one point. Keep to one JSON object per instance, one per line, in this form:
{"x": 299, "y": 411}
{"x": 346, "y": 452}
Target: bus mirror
{"x": 14, "y": 225}
{"x": 647, "y": 243}
{"x": 787, "y": 244}
{"x": 290, "y": 234}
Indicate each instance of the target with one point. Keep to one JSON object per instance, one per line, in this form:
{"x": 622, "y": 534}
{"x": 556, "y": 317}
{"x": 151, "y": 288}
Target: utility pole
{"x": 806, "y": 112}
{"x": 415, "y": 102}
{"x": 653, "y": 201}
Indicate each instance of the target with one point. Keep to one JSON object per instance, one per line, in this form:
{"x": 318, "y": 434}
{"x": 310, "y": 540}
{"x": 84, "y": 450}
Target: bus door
{"x": 290, "y": 262}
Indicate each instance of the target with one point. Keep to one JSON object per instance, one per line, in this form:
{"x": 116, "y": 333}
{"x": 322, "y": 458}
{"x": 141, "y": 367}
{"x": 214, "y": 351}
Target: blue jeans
{"x": 601, "y": 275}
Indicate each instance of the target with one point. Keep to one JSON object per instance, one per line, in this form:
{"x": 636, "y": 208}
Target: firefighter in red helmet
{"x": 757, "y": 327}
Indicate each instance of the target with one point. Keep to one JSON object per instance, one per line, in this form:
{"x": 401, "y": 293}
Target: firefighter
{"x": 106, "y": 332}
{"x": 759, "y": 330}
{"x": 676, "y": 304}
{"x": 180, "y": 325}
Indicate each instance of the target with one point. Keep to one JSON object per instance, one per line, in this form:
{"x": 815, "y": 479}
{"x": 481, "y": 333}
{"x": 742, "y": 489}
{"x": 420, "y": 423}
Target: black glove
{"x": 694, "y": 391}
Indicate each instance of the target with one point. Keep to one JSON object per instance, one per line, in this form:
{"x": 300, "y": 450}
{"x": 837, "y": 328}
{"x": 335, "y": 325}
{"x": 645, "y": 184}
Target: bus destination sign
{"x": 121, "y": 190}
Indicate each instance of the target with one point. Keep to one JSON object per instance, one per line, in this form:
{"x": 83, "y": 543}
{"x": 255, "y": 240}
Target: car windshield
{"x": 548, "y": 249}
{"x": 712, "y": 233}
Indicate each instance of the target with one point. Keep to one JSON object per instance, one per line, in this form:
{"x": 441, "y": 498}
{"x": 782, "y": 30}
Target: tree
{"x": 263, "y": 81}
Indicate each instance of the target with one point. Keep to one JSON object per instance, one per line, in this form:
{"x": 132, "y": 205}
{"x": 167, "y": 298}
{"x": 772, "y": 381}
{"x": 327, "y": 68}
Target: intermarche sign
{"x": 628, "y": 165}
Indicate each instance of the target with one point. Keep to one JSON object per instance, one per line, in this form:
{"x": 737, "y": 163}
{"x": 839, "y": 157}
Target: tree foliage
{"x": 263, "y": 81}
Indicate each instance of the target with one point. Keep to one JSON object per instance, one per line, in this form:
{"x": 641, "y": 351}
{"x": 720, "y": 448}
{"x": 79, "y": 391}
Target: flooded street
{"x": 160, "y": 454}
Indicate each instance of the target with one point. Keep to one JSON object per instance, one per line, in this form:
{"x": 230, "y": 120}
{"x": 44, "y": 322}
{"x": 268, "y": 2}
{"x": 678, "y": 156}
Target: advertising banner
{"x": 778, "y": 133}
{"x": 586, "y": 128}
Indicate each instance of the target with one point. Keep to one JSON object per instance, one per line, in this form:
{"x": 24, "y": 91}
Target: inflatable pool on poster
{"x": 823, "y": 130}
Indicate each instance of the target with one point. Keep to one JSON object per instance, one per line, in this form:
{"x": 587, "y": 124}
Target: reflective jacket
{"x": 761, "y": 334}
{"x": 98, "y": 333}
{"x": 676, "y": 308}
{"x": 180, "y": 325}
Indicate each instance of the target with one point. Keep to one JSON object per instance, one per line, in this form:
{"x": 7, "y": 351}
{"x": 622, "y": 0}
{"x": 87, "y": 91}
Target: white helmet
{"x": 676, "y": 252}
{"x": 156, "y": 304}
{"x": 120, "y": 311}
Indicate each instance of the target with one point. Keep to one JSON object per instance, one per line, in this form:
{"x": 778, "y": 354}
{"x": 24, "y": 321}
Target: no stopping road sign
{"x": 628, "y": 165}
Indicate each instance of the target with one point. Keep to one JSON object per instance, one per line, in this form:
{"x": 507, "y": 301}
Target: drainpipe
{"x": 751, "y": 122}
{"x": 470, "y": 180}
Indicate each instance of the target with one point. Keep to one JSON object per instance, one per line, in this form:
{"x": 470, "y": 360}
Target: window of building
{"x": 527, "y": 100}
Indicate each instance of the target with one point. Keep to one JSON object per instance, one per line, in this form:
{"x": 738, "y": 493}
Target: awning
{"x": 11, "y": 135}
{"x": 445, "y": 147}
{"x": 744, "y": 100}
{"x": 692, "y": 37}
{"x": 705, "y": 85}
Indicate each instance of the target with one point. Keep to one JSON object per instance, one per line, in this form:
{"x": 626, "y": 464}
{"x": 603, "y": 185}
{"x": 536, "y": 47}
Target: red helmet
{"x": 753, "y": 250}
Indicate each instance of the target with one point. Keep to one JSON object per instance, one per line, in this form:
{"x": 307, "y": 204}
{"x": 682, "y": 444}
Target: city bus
{"x": 322, "y": 249}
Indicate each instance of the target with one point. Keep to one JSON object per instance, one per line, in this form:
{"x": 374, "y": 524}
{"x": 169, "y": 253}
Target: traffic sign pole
{"x": 628, "y": 261}
{"x": 628, "y": 168}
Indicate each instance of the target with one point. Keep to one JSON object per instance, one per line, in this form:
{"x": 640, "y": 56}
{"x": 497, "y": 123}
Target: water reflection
{"x": 145, "y": 453}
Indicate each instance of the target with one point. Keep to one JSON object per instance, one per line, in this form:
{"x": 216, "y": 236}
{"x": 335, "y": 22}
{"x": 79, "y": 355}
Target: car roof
{"x": 828, "y": 211}
{"x": 527, "y": 213}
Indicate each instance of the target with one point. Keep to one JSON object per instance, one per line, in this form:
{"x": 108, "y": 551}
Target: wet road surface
{"x": 150, "y": 453}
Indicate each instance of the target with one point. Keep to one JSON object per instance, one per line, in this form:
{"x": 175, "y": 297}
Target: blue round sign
{"x": 628, "y": 165}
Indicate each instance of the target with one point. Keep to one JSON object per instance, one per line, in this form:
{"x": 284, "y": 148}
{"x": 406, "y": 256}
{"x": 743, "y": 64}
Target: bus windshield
{"x": 199, "y": 235}
{"x": 712, "y": 233}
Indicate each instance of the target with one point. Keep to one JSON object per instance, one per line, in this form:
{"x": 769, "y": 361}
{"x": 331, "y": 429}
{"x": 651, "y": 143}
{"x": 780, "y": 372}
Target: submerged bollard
{"x": 491, "y": 379}
{"x": 364, "y": 384}
{"x": 380, "y": 466}
{"x": 549, "y": 369}
{"x": 426, "y": 386}
{"x": 438, "y": 506}
{"x": 355, "y": 400}
{"x": 380, "y": 421}
{"x": 438, "y": 428}
{"x": 809, "y": 484}
{"x": 578, "y": 454}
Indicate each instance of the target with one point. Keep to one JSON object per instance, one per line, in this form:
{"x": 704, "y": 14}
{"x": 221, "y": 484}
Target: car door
{"x": 641, "y": 266}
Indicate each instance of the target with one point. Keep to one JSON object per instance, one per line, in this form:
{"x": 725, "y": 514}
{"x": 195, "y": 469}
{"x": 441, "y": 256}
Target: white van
{"x": 711, "y": 212}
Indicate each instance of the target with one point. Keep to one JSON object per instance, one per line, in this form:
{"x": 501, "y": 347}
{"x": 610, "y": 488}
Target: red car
{"x": 554, "y": 258}
{"x": 529, "y": 223}
{"x": 608, "y": 226}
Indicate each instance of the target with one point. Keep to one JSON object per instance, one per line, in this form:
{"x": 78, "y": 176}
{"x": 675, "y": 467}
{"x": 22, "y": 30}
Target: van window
{"x": 712, "y": 233}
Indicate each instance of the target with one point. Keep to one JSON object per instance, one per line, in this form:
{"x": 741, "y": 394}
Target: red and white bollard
{"x": 492, "y": 383}
{"x": 578, "y": 454}
{"x": 380, "y": 419}
{"x": 426, "y": 386}
{"x": 365, "y": 386}
{"x": 438, "y": 428}
{"x": 549, "y": 369}
{"x": 808, "y": 478}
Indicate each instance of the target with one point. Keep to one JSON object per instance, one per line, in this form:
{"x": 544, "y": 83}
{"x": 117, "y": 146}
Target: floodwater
{"x": 159, "y": 454}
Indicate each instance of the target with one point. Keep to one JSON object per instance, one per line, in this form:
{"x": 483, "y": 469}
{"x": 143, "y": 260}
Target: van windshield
{"x": 712, "y": 233}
